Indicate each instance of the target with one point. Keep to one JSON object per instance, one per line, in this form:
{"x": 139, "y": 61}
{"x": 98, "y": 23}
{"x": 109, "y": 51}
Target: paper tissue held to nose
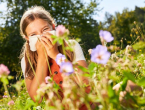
{"x": 33, "y": 40}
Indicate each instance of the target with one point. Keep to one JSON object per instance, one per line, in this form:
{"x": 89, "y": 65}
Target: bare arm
{"x": 41, "y": 73}
{"x": 42, "y": 67}
{"x": 82, "y": 63}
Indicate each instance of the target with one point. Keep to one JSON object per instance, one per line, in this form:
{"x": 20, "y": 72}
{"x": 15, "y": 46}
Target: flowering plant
{"x": 89, "y": 88}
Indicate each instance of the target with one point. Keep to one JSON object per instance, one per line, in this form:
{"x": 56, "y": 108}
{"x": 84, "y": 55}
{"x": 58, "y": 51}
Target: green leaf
{"x": 91, "y": 66}
{"x": 141, "y": 82}
{"x": 110, "y": 91}
{"x": 10, "y": 77}
{"x": 78, "y": 39}
{"x": 129, "y": 75}
{"x": 83, "y": 68}
{"x": 29, "y": 103}
{"x": 123, "y": 85}
{"x": 5, "y": 80}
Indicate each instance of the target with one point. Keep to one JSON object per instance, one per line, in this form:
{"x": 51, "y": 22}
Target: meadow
{"x": 108, "y": 66}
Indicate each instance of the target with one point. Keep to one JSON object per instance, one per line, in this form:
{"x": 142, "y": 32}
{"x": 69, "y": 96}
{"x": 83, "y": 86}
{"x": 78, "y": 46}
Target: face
{"x": 37, "y": 27}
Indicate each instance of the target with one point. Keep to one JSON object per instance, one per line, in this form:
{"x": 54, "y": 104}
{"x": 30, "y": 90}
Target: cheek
{"x": 27, "y": 38}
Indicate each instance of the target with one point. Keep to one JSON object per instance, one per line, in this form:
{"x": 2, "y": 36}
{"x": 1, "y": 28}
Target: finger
{"x": 44, "y": 44}
{"x": 48, "y": 35}
{"x": 47, "y": 41}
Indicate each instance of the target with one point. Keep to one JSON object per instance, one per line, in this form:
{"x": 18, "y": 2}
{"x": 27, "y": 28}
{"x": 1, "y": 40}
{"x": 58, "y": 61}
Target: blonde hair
{"x": 36, "y": 12}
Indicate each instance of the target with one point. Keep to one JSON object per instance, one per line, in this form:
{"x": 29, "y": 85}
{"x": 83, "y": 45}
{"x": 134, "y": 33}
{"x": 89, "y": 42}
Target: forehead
{"x": 36, "y": 25}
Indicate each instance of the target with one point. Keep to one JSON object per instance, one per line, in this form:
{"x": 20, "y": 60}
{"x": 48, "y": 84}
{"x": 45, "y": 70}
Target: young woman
{"x": 37, "y": 21}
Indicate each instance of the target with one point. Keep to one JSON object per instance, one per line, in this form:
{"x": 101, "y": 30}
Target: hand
{"x": 40, "y": 48}
{"x": 51, "y": 49}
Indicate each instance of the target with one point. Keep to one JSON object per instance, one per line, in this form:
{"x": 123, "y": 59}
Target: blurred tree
{"x": 75, "y": 15}
{"x": 121, "y": 24}
{"x": 140, "y": 14}
{"x": 108, "y": 19}
{"x": 120, "y": 27}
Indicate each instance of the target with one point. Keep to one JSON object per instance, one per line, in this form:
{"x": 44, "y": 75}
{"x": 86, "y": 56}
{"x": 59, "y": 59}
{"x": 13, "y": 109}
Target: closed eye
{"x": 33, "y": 35}
{"x": 45, "y": 29}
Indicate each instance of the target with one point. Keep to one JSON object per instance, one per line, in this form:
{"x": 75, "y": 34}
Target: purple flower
{"x": 66, "y": 68}
{"x": 100, "y": 54}
{"x": 106, "y": 35}
{"x": 60, "y": 59}
{"x": 4, "y": 70}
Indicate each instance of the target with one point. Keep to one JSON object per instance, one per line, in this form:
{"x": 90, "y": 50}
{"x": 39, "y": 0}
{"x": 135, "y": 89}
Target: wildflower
{"x": 11, "y": 102}
{"x": 46, "y": 79}
{"x": 5, "y": 96}
{"x": 106, "y": 35}
{"x": 100, "y": 54}
{"x": 60, "y": 59}
{"x": 38, "y": 107}
{"x": 50, "y": 94}
{"x": 142, "y": 55}
{"x": 139, "y": 65}
{"x": 61, "y": 30}
{"x": 41, "y": 90}
{"x": 90, "y": 51}
{"x": 66, "y": 68}
{"x": 104, "y": 94}
{"x": 4, "y": 70}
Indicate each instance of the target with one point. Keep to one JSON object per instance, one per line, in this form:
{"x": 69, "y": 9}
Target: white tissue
{"x": 33, "y": 40}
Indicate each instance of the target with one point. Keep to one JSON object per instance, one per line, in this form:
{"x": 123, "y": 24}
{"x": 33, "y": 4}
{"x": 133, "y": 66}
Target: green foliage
{"x": 120, "y": 27}
{"x": 102, "y": 80}
{"x": 126, "y": 26}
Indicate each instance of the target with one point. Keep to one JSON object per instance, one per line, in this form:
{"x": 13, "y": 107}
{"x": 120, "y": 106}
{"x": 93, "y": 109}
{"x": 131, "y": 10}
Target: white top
{"x": 78, "y": 54}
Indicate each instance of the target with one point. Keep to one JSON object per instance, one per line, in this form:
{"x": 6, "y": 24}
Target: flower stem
{"x": 63, "y": 49}
{"x": 46, "y": 58}
{"x": 5, "y": 87}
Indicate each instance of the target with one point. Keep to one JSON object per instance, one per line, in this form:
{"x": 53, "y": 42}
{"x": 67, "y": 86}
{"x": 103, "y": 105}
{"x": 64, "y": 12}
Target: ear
{"x": 26, "y": 38}
{"x": 53, "y": 26}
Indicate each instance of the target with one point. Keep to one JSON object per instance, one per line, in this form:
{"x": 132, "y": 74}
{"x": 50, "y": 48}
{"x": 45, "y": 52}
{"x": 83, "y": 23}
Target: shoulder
{"x": 73, "y": 43}
{"x": 78, "y": 53}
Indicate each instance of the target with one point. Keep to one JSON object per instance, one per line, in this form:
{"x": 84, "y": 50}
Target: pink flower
{"x": 4, "y": 70}
{"x": 61, "y": 30}
{"x": 11, "y": 102}
{"x": 5, "y": 96}
{"x": 46, "y": 79}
